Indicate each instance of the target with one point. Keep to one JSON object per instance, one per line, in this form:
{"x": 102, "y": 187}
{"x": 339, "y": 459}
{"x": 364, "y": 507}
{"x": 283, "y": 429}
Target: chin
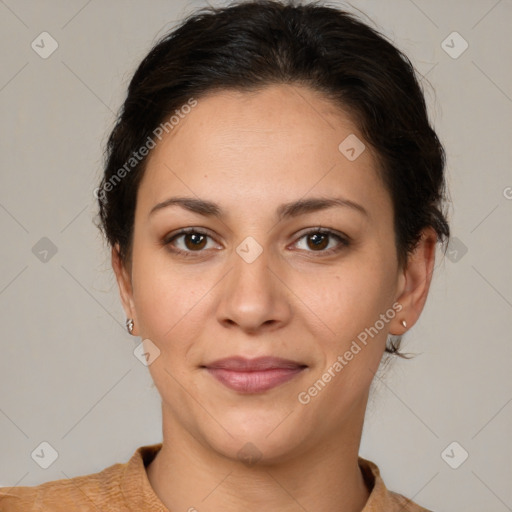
{"x": 257, "y": 451}
{"x": 254, "y": 440}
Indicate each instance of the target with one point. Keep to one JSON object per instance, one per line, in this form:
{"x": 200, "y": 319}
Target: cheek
{"x": 351, "y": 337}
{"x": 349, "y": 299}
{"x": 170, "y": 312}
{"x": 167, "y": 296}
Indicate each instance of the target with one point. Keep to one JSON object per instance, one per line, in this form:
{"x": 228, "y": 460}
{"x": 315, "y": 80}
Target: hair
{"x": 253, "y": 44}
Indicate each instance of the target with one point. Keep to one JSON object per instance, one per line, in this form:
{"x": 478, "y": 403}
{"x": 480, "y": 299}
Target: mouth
{"x": 254, "y": 375}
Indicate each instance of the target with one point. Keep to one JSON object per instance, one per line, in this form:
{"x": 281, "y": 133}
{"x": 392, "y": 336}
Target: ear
{"x": 415, "y": 282}
{"x": 124, "y": 282}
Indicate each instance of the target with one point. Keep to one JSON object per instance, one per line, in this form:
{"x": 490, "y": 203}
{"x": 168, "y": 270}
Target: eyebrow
{"x": 284, "y": 211}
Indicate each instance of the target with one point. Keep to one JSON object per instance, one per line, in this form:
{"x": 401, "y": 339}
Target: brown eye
{"x": 187, "y": 242}
{"x": 320, "y": 241}
{"x": 194, "y": 241}
{"x": 317, "y": 241}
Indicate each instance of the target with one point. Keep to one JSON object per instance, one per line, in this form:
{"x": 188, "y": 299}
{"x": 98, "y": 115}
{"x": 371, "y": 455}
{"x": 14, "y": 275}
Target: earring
{"x": 404, "y": 323}
{"x": 129, "y": 325}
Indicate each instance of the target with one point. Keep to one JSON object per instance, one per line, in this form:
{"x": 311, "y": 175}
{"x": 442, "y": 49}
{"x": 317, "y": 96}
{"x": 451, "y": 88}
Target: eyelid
{"x": 323, "y": 231}
{"x": 185, "y": 231}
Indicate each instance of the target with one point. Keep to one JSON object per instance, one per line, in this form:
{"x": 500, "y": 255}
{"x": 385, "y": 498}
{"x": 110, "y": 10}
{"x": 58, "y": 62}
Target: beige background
{"x": 68, "y": 375}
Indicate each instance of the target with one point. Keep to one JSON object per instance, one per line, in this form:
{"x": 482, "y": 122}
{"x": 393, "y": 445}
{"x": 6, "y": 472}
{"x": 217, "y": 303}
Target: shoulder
{"x": 381, "y": 498}
{"x": 93, "y": 492}
{"x": 405, "y": 504}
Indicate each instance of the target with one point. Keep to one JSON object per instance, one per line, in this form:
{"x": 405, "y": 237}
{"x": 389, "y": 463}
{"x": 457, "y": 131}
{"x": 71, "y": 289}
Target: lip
{"x": 254, "y": 375}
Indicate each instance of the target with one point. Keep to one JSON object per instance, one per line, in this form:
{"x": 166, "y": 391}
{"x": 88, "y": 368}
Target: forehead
{"x": 278, "y": 143}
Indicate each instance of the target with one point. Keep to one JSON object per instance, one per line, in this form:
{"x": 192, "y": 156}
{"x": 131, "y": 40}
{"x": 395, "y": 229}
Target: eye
{"x": 319, "y": 240}
{"x": 188, "y": 241}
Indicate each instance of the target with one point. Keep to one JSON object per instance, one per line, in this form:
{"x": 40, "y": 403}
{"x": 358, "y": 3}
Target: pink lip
{"x": 254, "y": 375}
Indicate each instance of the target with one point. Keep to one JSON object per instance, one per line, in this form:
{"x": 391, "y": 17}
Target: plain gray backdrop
{"x": 68, "y": 375}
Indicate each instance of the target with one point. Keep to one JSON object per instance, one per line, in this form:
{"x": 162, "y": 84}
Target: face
{"x": 293, "y": 256}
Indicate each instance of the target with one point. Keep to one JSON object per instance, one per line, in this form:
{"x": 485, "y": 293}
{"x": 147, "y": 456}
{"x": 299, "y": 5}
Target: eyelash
{"x": 343, "y": 241}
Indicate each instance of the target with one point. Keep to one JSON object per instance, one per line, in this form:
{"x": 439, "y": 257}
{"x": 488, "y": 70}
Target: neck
{"x": 189, "y": 475}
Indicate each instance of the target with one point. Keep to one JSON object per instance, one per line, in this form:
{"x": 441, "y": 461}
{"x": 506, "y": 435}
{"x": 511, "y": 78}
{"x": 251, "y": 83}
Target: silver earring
{"x": 404, "y": 323}
{"x": 129, "y": 325}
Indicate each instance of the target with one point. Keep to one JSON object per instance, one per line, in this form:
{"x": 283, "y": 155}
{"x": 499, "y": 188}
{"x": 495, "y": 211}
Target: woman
{"x": 273, "y": 196}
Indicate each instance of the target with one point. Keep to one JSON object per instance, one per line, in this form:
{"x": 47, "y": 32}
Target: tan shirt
{"x": 125, "y": 488}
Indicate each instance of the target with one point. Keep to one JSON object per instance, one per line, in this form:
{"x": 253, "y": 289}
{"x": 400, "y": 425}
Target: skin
{"x": 249, "y": 153}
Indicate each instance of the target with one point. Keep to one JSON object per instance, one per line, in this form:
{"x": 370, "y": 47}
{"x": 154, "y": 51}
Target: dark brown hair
{"x": 253, "y": 44}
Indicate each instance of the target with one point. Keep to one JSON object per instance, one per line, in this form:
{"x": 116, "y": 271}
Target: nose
{"x": 254, "y": 296}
